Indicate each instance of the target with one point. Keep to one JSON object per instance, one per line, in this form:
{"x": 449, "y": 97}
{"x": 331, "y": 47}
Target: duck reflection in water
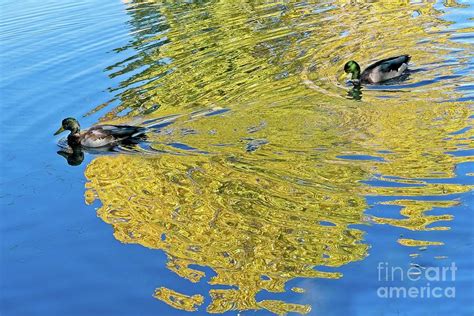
{"x": 74, "y": 155}
{"x": 355, "y": 93}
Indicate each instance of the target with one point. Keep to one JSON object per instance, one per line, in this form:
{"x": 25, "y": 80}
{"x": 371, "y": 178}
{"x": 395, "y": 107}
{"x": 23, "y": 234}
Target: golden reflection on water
{"x": 270, "y": 190}
{"x": 226, "y": 214}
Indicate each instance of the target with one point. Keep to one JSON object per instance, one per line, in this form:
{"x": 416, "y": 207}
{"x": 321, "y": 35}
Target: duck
{"x": 100, "y": 135}
{"x": 380, "y": 71}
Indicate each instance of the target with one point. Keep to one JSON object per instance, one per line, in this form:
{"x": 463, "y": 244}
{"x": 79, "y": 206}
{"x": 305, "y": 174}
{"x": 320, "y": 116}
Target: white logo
{"x": 428, "y": 277}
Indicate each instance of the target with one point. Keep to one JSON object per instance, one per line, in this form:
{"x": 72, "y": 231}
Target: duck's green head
{"x": 69, "y": 124}
{"x": 353, "y": 68}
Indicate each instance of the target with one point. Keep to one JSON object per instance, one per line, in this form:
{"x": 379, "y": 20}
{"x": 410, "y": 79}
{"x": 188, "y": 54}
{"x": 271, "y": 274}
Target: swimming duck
{"x": 99, "y": 135}
{"x": 380, "y": 71}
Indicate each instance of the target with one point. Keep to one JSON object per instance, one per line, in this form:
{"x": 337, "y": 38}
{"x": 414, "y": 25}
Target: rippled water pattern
{"x": 267, "y": 183}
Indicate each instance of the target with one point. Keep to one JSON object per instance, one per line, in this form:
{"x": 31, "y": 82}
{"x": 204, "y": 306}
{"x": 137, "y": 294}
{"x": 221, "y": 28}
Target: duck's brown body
{"x": 104, "y": 135}
{"x": 100, "y": 135}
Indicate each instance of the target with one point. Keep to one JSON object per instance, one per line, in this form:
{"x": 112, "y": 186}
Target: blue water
{"x": 58, "y": 258}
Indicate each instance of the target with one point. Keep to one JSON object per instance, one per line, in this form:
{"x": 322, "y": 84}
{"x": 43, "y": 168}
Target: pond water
{"x": 267, "y": 185}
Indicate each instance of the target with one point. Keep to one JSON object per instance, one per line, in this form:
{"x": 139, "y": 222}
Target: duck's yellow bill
{"x": 59, "y": 131}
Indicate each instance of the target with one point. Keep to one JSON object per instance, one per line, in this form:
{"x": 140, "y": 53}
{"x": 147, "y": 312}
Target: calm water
{"x": 267, "y": 184}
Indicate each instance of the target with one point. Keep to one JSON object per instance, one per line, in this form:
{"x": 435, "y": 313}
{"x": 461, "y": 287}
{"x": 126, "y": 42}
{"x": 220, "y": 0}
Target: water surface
{"x": 267, "y": 185}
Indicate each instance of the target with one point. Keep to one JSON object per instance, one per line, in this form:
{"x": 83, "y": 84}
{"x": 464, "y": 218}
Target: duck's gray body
{"x": 385, "y": 69}
{"x": 105, "y": 135}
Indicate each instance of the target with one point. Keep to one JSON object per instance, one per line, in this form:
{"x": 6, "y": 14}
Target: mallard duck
{"x": 380, "y": 71}
{"x": 99, "y": 135}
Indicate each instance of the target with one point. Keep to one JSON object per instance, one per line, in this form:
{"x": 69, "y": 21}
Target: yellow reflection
{"x": 418, "y": 243}
{"x": 268, "y": 191}
{"x": 177, "y": 300}
{"x": 416, "y": 219}
{"x": 255, "y": 230}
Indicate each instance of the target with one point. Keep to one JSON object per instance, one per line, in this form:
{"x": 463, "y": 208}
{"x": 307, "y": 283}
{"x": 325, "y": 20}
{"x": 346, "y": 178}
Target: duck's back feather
{"x": 385, "y": 69}
{"x": 105, "y": 135}
{"x": 120, "y": 130}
